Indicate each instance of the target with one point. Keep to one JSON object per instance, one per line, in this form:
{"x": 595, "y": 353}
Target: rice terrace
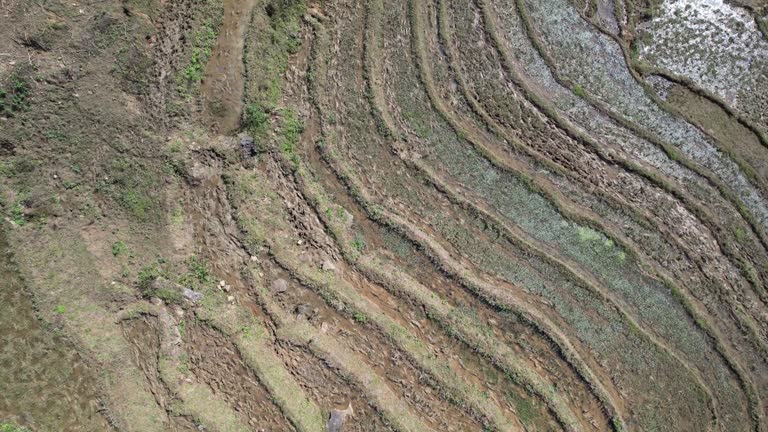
{"x": 384, "y": 215}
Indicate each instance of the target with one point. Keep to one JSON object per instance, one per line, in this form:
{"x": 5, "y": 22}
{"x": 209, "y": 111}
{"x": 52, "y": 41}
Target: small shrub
{"x": 119, "y": 247}
{"x": 359, "y": 243}
{"x": 132, "y": 65}
{"x": 146, "y": 275}
{"x": 622, "y": 256}
{"x": 588, "y": 234}
{"x": 578, "y": 91}
{"x": 617, "y": 425}
{"x": 60, "y": 309}
{"x": 204, "y": 40}
{"x": 246, "y": 331}
{"x": 360, "y": 318}
{"x": 17, "y": 213}
{"x": 175, "y": 146}
{"x": 177, "y": 216}
{"x": 739, "y": 234}
{"x": 138, "y": 203}
{"x": 14, "y": 99}
{"x": 130, "y": 184}
{"x": 183, "y": 366}
{"x": 199, "y": 269}
{"x": 255, "y": 120}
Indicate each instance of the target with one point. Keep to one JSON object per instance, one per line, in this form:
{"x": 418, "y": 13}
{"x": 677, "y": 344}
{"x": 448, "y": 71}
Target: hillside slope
{"x": 434, "y": 215}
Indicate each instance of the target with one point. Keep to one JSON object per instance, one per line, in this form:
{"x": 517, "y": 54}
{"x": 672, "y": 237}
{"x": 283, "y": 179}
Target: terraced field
{"x": 359, "y": 215}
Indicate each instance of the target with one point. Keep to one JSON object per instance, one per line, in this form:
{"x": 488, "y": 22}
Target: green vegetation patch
{"x": 131, "y": 185}
{"x": 6, "y": 426}
{"x": 274, "y": 35}
{"x": 14, "y": 95}
{"x": 204, "y": 39}
{"x": 524, "y": 408}
{"x": 166, "y": 280}
{"x": 119, "y": 248}
{"x": 206, "y": 25}
{"x": 290, "y": 134}
{"x": 256, "y": 120}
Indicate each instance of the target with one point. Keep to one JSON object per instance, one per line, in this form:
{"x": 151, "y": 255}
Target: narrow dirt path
{"x": 223, "y": 86}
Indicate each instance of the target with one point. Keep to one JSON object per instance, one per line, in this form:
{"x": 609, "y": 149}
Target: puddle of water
{"x": 44, "y": 384}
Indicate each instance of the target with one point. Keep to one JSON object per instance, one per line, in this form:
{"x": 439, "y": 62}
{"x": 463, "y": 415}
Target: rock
{"x": 160, "y": 283}
{"x": 222, "y": 283}
{"x": 347, "y": 217}
{"x": 338, "y": 418}
{"x": 155, "y": 301}
{"x": 303, "y": 310}
{"x": 279, "y": 286}
{"x": 248, "y": 146}
{"x": 198, "y": 173}
{"x": 192, "y": 295}
{"x": 162, "y": 287}
{"x": 230, "y": 299}
{"x": 328, "y": 266}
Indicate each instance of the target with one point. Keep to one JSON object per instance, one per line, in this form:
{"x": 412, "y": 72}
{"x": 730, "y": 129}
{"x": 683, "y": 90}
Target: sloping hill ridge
{"x": 415, "y": 215}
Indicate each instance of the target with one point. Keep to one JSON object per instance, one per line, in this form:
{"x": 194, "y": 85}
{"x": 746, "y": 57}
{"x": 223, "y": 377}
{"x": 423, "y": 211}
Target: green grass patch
{"x": 274, "y": 36}
{"x": 291, "y": 129}
{"x": 360, "y": 318}
{"x": 194, "y": 274}
{"x": 167, "y": 292}
{"x": 359, "y": 243}
{"x": 198, "y": 274}
{"x": 739, "y": 234}
{"x": 7, "y": 426}
{"x": 588, "y": 234}
{"x": 17, "y": 212}
{"x": 256, "y": 120}
{"x": 14, "y": 97}
{"x": 130, "y": 183}
{"x": 118, "y": 248}
{"x": 524, "y": 408}
{"x": 204, "y": 38}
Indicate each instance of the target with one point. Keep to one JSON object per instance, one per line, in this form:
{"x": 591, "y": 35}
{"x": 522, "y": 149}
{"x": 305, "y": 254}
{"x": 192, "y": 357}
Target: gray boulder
{"x": 279, "y": 286}
{"x": 338, "y": 418}
{"x": 192, "y": 295}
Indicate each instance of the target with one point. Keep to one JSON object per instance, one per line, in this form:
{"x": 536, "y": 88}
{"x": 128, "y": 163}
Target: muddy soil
{"x": 144, "y": 334}
{"x": 321, "y": 380}
{"x": 44, "y": 382}
{"x": 412, "y": 384}
{"x": 222, "y": 87}
{"x": 217, "y": 362}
